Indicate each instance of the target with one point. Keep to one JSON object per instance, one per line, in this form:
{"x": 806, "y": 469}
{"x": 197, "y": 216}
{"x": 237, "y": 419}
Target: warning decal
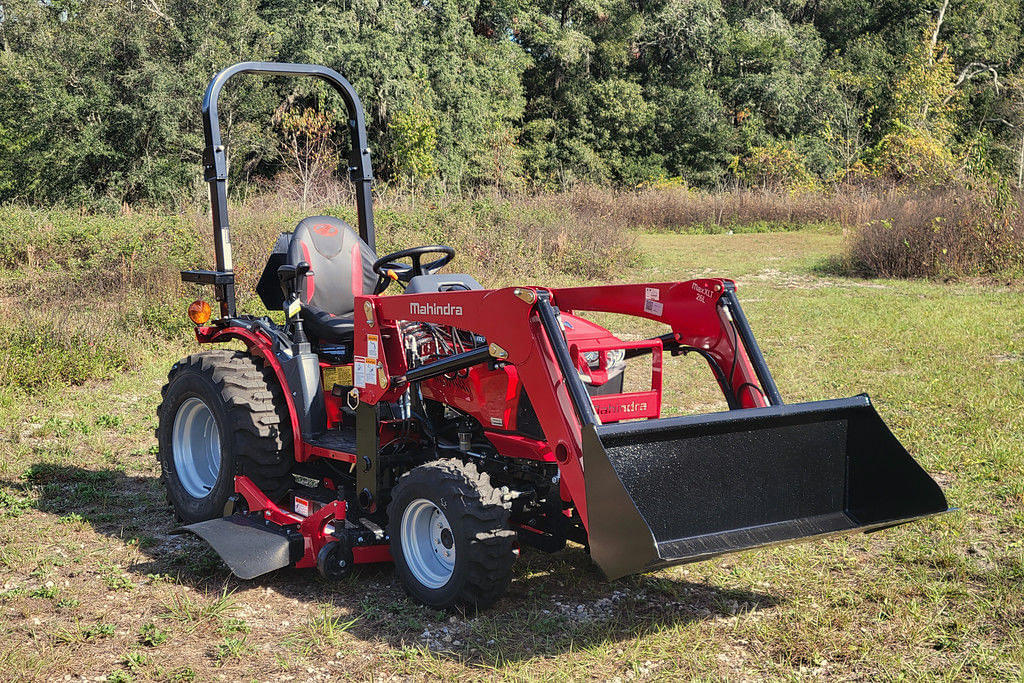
{"x": 364, "y": 371}
{"x": 653, "y": 307}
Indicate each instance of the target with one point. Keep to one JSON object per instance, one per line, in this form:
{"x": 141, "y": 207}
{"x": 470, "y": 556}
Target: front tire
{"x": 222, "y": 414}
{"x": 450, "y": 535}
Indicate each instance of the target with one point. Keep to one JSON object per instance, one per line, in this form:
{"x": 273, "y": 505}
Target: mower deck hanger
{"x": 443, "y": 427}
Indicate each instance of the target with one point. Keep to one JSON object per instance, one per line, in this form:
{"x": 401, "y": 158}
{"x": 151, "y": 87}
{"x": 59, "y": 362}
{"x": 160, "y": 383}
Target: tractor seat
{"x": 341, "y": 266}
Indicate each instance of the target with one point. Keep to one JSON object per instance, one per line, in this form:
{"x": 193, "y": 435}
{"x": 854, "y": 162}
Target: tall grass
{"x": 86, "y": 296}
{"x": 953, "y": 232}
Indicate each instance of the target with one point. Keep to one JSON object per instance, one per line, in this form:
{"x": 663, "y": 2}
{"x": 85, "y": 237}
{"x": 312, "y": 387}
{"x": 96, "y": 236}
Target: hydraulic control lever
{"x": 291, "y": 276}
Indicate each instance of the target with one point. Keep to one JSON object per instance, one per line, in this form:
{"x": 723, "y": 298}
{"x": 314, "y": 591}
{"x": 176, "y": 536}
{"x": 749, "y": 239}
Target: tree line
{"x": 99, "y": 99}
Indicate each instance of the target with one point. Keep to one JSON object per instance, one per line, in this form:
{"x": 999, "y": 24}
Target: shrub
{"x": 953, "y": 232}
{"x": 775, "y": 166}
{"x": 909, "y": 156}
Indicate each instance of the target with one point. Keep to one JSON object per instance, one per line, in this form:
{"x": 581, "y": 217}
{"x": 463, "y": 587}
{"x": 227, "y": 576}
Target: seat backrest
{"x": 341, "y": 264}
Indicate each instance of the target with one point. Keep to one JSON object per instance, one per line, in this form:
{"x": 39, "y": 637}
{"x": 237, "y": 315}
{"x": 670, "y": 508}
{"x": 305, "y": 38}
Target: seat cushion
{"x": 327, "y": 328}
{"x": 341, "y": 264}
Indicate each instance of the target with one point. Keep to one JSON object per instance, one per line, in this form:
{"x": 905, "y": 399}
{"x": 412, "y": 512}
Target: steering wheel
{"x": 387, "y": 267}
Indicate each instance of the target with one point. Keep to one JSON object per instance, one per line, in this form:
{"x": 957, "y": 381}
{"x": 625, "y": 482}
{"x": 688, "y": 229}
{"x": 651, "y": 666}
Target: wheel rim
{"x": 195, "y": 442}
{"x": 428, "y": 543}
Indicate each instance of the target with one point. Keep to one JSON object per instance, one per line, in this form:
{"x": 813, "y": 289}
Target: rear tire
{"x": 222, "y": 414}
{"x": 450, "y": 535}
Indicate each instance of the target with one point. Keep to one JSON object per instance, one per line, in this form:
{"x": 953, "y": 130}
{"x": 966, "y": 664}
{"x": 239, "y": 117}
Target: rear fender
{"x": 261, "y": 347}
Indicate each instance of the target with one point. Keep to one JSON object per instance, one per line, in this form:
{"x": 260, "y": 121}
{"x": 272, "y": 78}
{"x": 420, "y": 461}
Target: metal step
{"x": 336, "y": 440}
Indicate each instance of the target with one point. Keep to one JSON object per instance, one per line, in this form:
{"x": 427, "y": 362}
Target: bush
{"x": 911, "y": 157}
{"x": 953, "y": 232}
{"x": 775, "y": 166}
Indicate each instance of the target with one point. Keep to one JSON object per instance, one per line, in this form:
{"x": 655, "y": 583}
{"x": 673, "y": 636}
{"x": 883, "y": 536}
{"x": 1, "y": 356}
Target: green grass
{"x": 93, "y": 582}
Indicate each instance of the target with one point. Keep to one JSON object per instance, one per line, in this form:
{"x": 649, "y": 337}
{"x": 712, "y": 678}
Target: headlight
{"x": 591, "y": 358}
{"x": 614, "y": 357}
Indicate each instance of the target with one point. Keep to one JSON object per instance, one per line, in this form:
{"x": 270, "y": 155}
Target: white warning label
{"x": 372, "y": 344}
{"x": 652, "y": 294}
{"x": 364, "y": 371}
{"x": 653, "y": 307}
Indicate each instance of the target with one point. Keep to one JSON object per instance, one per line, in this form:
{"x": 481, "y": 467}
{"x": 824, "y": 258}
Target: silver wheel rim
{"x": 195, "y": 442}
{"x": 428, "y": 543}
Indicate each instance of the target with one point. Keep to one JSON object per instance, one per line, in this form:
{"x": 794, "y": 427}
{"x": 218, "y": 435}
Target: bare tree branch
{"x": 938, "y": 25}
{"x": 970, "y": 71}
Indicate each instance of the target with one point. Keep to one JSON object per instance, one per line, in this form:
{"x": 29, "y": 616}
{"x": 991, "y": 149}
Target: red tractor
{"x": 446, "y": 425}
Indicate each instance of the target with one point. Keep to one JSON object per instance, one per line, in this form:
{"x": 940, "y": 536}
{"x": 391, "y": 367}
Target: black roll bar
{"x": 216, "y": 170}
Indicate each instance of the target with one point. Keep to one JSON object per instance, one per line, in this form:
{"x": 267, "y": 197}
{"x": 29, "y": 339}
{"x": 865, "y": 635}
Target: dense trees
{"x": 99, "y": 98}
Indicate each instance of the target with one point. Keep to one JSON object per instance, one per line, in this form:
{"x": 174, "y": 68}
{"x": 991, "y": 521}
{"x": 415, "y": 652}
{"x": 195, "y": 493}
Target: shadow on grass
{"x": 556, "y": 602}
{"x": 834, "y": 266}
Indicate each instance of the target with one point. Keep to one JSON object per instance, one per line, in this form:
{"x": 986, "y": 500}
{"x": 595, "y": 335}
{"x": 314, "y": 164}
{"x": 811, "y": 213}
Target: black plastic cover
{"x": 269, "y": 286}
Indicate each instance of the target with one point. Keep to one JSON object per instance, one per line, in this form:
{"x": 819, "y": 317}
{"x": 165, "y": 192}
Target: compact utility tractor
{"x": 446, "y": 425}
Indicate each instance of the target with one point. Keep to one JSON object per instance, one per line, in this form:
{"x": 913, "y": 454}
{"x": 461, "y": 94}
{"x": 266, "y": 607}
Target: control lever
{"x": 290, "y": 277}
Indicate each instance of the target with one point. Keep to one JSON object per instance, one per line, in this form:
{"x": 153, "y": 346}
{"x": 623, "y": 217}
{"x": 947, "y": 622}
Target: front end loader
{"x": 444, "y": 427}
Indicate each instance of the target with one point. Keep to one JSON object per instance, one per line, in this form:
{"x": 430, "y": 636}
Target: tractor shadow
{"x": 556, "y": 602}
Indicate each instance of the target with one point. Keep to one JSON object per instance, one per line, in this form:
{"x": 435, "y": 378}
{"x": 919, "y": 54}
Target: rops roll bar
{"x": 216, "y": 170}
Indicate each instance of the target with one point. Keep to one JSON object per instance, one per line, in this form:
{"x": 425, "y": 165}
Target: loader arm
{"x": 663, "y": 491}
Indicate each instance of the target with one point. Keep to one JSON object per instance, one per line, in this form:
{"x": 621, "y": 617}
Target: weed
{"x": 135, "y": 660}
{"x": 11, "y": 593}
{"x": 322, "y": 631}
{"x": 195, "y": 611}
{"x": 231, "y": 648}
{"x": 99, "y": 630}
{"x": 12, "y": 505}
{"x": 109, "y": 421}
{"x": 47, "y": 592}
{"x": 117, "y": 581}
{"x": 151, "y": 636}
{"x": 233, "y": 625}
{"x": 145, "y": 541}
{"x": 80, "y": 633}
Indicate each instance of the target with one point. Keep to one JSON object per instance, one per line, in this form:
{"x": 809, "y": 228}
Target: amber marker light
{"x": 199, "y": 312}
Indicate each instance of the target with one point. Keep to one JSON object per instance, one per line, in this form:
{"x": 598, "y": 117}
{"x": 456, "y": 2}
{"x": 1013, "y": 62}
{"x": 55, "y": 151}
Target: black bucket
{"x": 675, "y": 490}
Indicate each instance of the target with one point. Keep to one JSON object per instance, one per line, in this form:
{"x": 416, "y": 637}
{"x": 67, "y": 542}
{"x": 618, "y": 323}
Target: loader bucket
{"x": 675, "y": 490}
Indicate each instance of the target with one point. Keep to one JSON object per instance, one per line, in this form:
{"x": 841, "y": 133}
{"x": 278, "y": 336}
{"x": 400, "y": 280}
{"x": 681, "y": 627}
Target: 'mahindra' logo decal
{"x": 623, "y": 408}
{"x": 434, "y": 309}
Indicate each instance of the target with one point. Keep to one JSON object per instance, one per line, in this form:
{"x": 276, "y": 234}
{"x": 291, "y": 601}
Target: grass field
{"x": 92, "y": 584}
